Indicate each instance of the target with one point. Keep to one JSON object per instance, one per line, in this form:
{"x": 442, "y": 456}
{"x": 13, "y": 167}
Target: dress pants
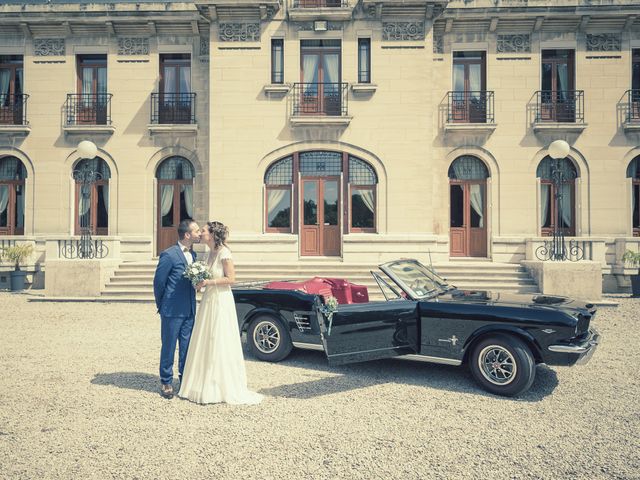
{"x": 174, "y": 330}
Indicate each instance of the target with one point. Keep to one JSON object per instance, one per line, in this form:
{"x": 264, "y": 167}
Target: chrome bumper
{"x": 585, "y": 349}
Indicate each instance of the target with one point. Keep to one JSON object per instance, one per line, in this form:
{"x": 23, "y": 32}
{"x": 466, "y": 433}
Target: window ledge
{"x": 560, "y": 127}
{"x": 311, "y": 120}
{"x": 89, "y": 129}
{"x": 15, "y": 129}
{"x": 173, "y": 128}
{"x": 277, "y": 88}
{"x": 631, "y": 127}
{"x": 340, "y": 14}
{"x": 470, "y": 127}
{"x": 363, "y": 87}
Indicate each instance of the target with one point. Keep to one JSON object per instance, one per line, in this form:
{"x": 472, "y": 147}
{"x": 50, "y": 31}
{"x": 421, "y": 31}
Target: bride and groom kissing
{"x": 210, "y": 361}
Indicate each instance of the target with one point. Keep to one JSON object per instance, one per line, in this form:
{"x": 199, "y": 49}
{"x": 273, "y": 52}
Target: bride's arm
{"x": 229, "y": 274}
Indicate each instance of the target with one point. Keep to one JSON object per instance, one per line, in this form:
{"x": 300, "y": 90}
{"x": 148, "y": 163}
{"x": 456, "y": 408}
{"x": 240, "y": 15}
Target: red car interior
{"x": 342, "y": 290}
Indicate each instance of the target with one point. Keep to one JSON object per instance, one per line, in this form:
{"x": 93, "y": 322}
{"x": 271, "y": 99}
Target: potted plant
{"x": 17, "y": 254}
{"x": 633, "y": 259}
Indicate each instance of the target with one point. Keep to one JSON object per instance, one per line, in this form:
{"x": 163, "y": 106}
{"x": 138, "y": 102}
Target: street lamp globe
{"x": 87, "y": 149}
{"x": 559, "y": 149}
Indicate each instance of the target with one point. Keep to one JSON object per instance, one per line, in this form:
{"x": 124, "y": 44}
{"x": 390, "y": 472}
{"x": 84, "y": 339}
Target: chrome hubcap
{"x": 266, "y": 337}
{"x": 497, "y": 365}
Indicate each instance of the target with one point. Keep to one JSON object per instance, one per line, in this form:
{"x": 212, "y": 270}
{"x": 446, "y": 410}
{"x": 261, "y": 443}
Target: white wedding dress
{"x": 214, "y": 371}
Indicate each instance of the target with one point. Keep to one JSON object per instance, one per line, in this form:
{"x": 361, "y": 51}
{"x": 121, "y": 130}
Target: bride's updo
{"x": 219, "y": 231}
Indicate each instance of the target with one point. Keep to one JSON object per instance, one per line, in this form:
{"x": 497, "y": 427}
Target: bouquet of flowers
{"x": 197, "y": 272}
{"x": 328, "y": 309}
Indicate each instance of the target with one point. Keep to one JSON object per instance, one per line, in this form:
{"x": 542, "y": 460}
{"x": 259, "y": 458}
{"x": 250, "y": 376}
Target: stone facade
{"x": 398, "y": 123}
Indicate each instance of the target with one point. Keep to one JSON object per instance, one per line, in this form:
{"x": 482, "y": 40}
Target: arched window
{"x": 92, "y": 199}
{"x": 566, "y": 204}
{"x": 175, "y": 197}
{"x": 362, "y": 186}
{"x": 467, "y": 207}
{"x": 12, "y": 178}
{"x": 633, "y": 172}
{"x": 325, "y": 167}
{"x": 278, "y": 183}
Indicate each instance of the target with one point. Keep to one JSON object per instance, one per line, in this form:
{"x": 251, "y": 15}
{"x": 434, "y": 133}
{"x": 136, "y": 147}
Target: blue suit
{"x": 176, "y": 302}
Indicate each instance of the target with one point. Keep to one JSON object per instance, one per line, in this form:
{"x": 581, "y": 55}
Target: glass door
{"x": 469, "y": 85}
{"x": 558, "y": 86}
{"x": 320, "y": 232}
{"x": 175, "y": 88}
{"x": 92, "y": 87}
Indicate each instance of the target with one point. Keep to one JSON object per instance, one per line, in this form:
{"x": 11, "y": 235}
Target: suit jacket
{"x": 174, "y": 294}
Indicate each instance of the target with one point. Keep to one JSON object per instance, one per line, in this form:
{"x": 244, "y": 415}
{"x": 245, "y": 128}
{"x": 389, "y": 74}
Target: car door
{"x": 357, "y": 333}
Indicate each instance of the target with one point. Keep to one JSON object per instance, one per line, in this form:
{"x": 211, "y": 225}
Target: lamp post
{"x": 557, "y": 249}
{"x": 86, "y": 177}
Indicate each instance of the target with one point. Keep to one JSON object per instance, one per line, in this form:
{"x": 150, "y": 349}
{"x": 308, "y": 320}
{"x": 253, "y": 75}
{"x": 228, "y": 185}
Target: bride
{"x": 214, "y": 371}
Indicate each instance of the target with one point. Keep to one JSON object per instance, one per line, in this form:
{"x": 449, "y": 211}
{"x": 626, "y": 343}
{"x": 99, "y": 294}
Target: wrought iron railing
{"x": 559, "y": 249}
{"x": 13, "y": 109}
{"x": 88, "y": 109}
{"x": 633, "y": 106}
{"x": 320, "y": 3}
{"x": 329, "y": 99}
{"x": 470, "y": 107}
{"x": 173, "y": 108}
{"x": 85, "y": 248}
{"x": 560, "y": 106}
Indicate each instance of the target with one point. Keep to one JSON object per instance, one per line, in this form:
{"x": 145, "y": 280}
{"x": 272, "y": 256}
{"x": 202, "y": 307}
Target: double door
{"x": 558, "y": 102}
{"x": 12, "y": 208}
{"x": 320, "y": 212}
{"x": 469, "y": 102}
{"x": 92, "y": 86}
{"x": 320, "y": 76}
{"x": 468, "y": 232}
{"x": 175, "y": 203}
{"x": 11, "y": 94}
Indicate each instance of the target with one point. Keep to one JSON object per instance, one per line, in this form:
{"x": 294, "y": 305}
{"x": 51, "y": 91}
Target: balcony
{"x": 320, "y": 104}
{"x": 13, "y": 114}
{"x": 310, "y": 10}
{"x": 88, "y": 113}
{"x": 631, "y": 121}
{"x": 173, "y": 113}
{"x": 470, "y": 111}
{"x": 559, "y": 111}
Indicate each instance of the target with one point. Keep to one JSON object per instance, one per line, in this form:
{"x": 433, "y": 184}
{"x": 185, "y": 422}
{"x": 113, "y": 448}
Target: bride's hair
{"x": 219, "y": 231}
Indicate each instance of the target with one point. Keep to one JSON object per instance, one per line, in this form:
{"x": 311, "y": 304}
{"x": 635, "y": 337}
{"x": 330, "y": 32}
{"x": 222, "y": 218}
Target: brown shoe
{"x": 166, "y": 391}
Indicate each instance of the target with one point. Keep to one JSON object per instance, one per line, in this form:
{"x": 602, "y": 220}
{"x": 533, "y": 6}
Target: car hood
{"x": 518, "y": 299}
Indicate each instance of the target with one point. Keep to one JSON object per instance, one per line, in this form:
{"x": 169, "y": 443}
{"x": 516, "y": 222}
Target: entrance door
{"x": 320, "y": 232}
{"x": 468, "y": 226}
{"x": 320, "y": 77}
{"x": 381, "y": 330}
{"x": 558, "y": 86}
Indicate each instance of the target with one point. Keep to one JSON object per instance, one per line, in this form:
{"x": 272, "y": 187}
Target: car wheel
{"x": 503, "y": 364}
{"x": 268, "y": 339}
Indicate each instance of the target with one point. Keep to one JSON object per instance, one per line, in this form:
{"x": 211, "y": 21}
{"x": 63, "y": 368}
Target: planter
{"x": 635, "y": 285}
{"x": 17, "y": 280}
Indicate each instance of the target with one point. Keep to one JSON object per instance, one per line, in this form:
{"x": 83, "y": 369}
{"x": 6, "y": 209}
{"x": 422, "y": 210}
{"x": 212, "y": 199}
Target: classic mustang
{"x": 501, "y": 337}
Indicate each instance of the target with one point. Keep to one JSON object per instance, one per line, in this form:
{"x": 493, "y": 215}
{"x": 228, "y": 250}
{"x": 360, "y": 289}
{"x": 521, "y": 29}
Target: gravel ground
{"x": 79, "y": 399}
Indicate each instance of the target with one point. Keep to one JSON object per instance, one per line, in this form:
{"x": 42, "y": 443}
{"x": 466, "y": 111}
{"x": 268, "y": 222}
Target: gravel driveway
{"x": 79, "y": 399}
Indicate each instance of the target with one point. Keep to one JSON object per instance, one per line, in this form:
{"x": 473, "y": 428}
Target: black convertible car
{"x": 501, "y": 337}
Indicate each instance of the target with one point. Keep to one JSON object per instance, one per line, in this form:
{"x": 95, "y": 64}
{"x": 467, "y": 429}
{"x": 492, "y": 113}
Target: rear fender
{"x": 268, "y": 312}
{"x": 488, "y": 330}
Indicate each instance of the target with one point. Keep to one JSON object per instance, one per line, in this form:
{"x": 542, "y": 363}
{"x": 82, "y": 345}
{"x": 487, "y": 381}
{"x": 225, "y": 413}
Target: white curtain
{"x": 166, "y": 201}
{"x": 169, "y": 77}
{"x": 4, "y": 199}
{"x": 544, "y": 203}
{"x": 87, "y": 84}
{"x": 565, "y": 205}
{"x": 274, "y": 199}
{"x": 84, "y": 200}
{"x": 331, "y": 68}
{"x": 310, "y": 73}
{"x": 563, "y": 81}
{"x": 367, "y": 199}
{"x": 102, "y": 80}
{"x": 185, "y": 80}
{"x": 188, "y": 199}
{"x": 5, "y": 78}
{"x": 476, "y": 202}
{"x": 475, "y": 80}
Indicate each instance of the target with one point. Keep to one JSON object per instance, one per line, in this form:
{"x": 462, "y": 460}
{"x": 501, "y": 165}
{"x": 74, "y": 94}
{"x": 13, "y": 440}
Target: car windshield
{"x": 416, "y": 279}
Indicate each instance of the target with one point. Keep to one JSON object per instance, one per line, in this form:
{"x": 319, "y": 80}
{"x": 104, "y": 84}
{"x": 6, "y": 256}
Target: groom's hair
{"x": 184, "y": 227}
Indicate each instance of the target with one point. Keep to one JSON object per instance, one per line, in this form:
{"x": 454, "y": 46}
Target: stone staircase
{"x": 133, "y": 281}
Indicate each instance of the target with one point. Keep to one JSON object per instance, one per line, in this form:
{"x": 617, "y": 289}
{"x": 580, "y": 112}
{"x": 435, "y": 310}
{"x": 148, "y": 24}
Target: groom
{"x": 176, "y": 302}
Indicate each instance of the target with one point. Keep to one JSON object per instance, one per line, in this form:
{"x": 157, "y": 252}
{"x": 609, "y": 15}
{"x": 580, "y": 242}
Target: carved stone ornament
{"x": 604, "y": 42}
{"x": 48, "y": 47}
{"x": 399, "y": 31}
{"x": 239, "y": 32}
{"x": 204, "y": 45}
{"x": 133, "y": 46}
{"x": 438, "y": 44}
{"x": 308, "y": 26}
{"x": 514, "y": 43}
